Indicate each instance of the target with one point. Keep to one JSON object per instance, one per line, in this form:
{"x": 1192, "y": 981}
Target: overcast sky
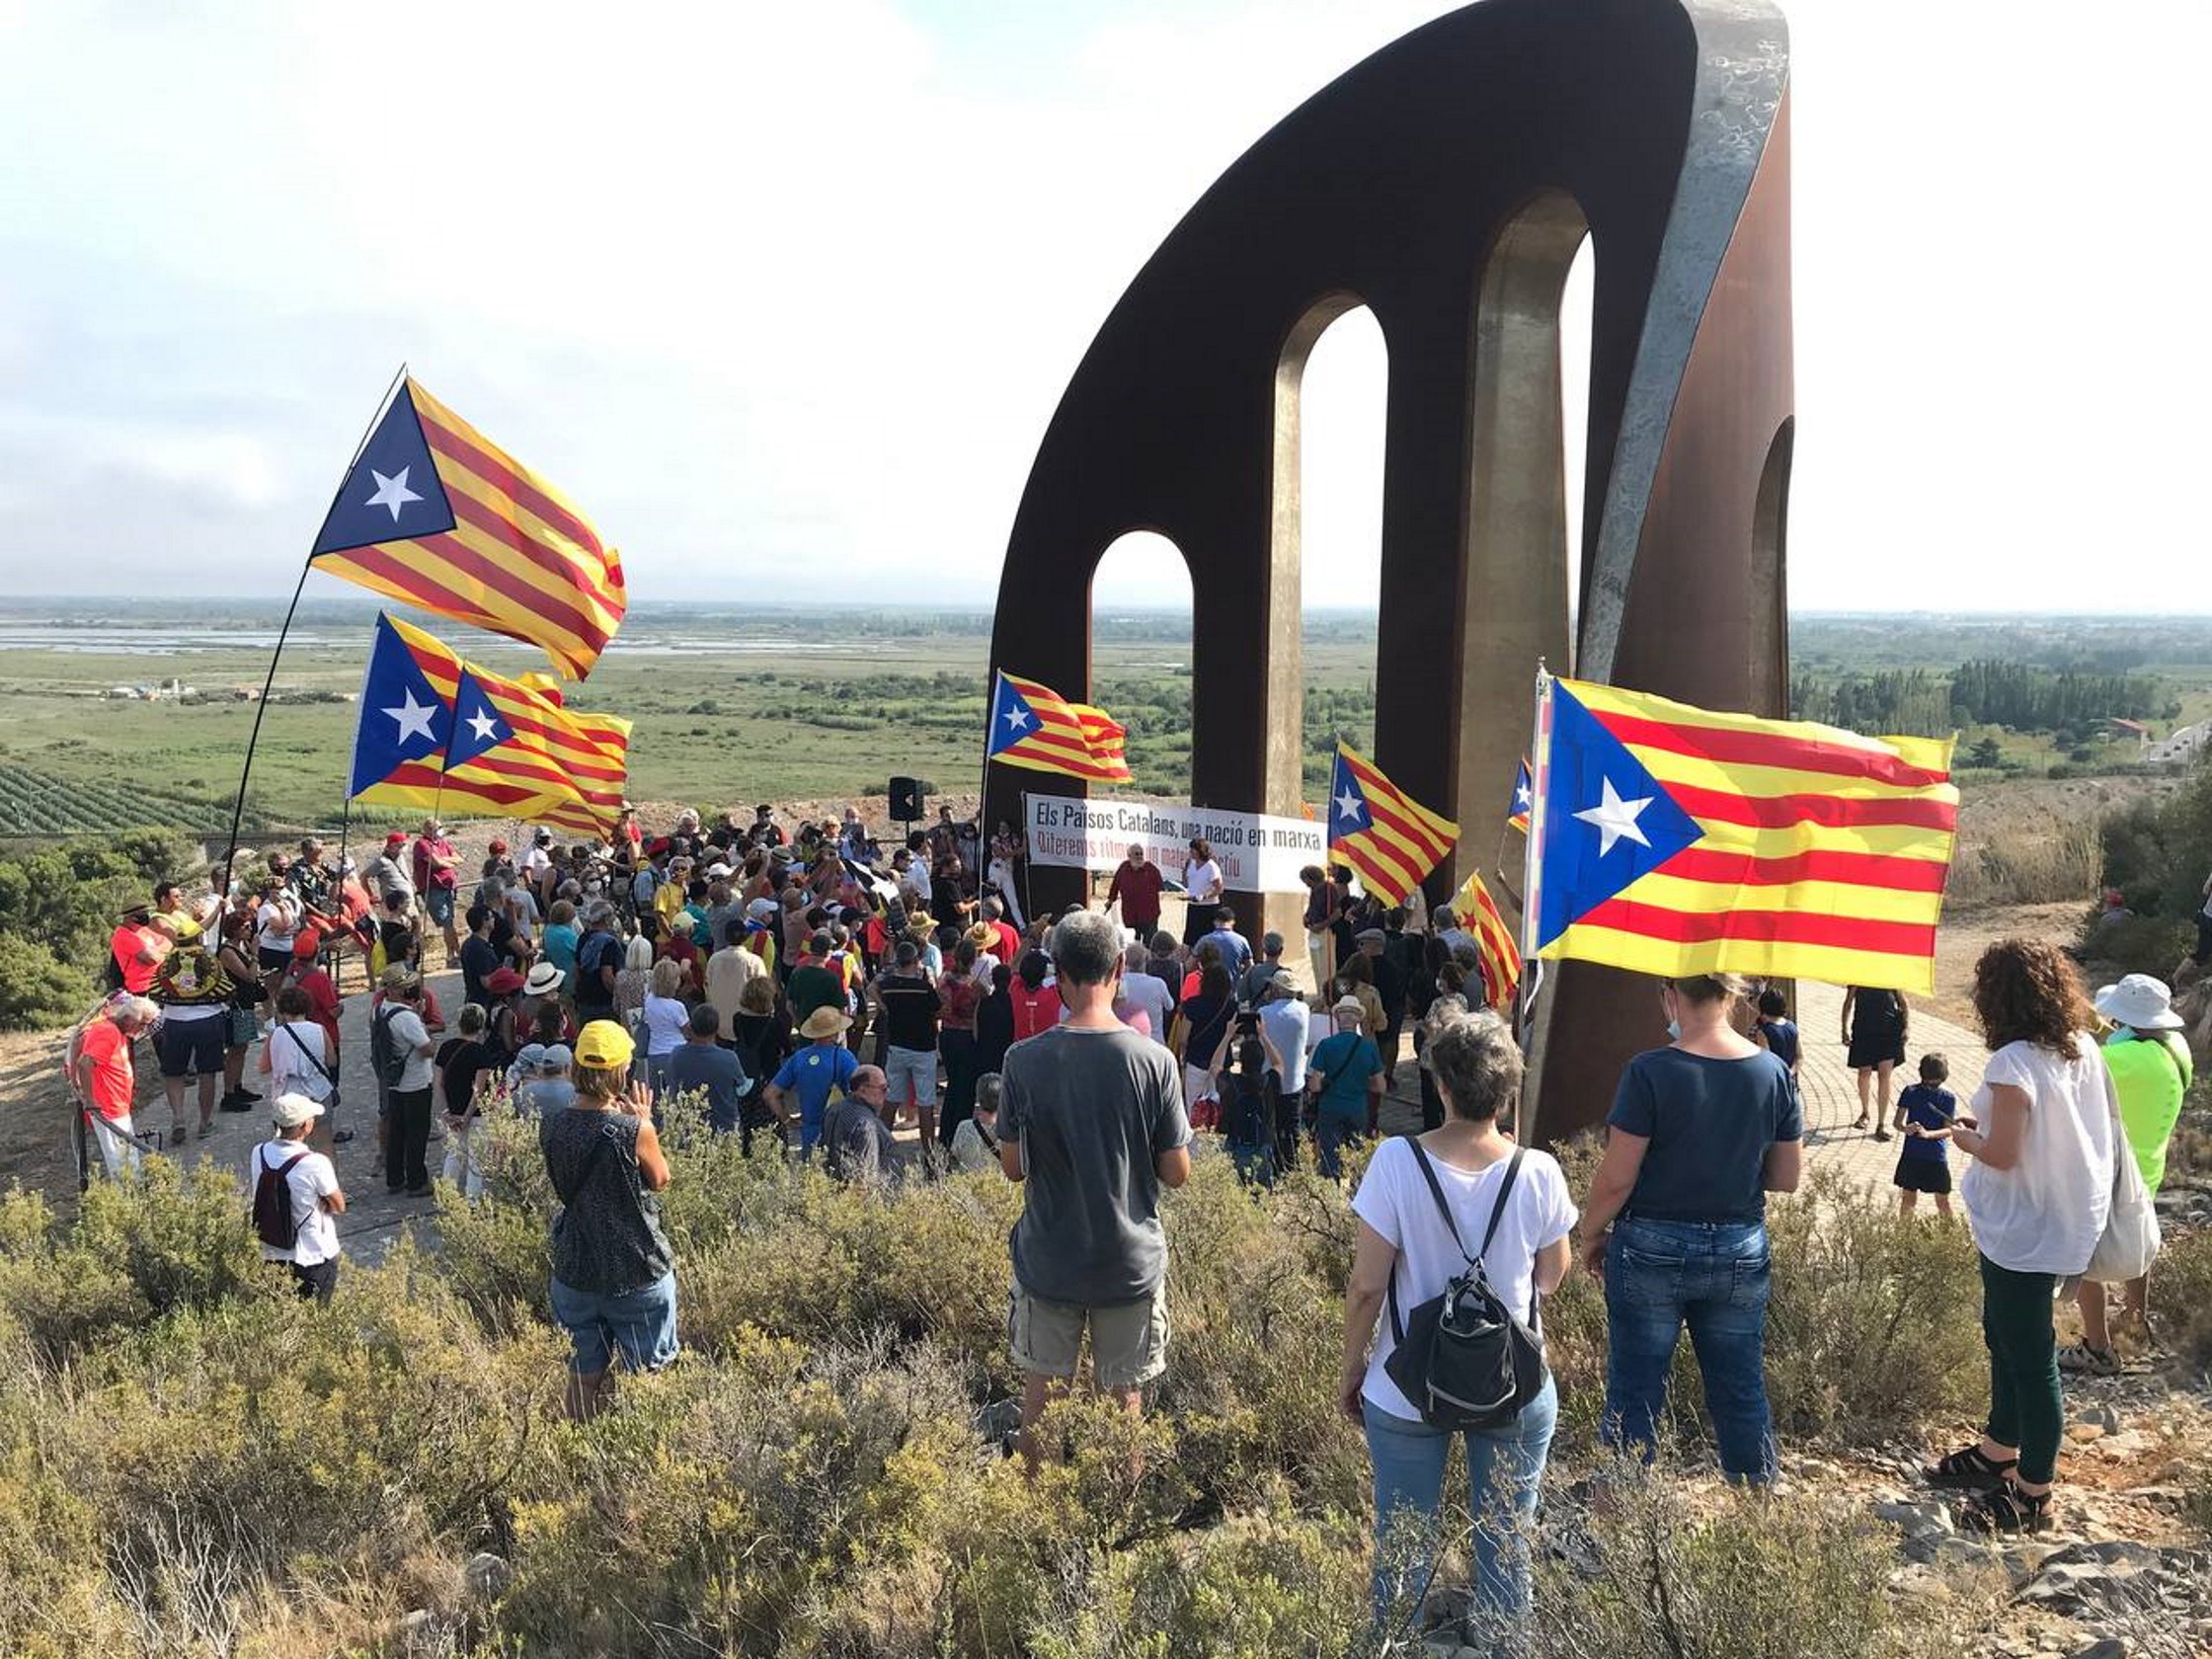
{"x": 783, "y": 295}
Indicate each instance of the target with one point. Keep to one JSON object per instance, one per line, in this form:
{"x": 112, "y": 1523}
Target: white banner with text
{"x": 1257, "y": 854}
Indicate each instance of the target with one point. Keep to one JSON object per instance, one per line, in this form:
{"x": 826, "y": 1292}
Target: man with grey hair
{"x": 103, "y": 1080}
{"x": 1091, "y": 1119}
{"x": 1145, "y": 990}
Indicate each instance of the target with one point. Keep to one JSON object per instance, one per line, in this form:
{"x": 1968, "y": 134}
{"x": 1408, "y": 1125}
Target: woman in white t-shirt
{"x": 1202, "y": 892}
{"x": 2040, "y": 1136}
{"x": 299, "y": 1055}
{"x": 1404, "y": 1240}
{"x": 668, "y": 1022}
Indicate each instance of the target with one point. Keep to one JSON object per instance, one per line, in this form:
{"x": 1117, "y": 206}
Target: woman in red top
{"x": 1036, "y": 1004}
{"x": 675, "y": 944}
{"x": 958, "y": 995}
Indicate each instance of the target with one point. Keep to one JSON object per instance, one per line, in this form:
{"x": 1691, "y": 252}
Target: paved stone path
{"x": 1831, "y": 1088}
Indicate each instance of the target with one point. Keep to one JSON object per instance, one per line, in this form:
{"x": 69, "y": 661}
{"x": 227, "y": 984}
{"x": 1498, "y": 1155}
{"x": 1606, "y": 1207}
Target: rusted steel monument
{"x": 1446, "y": 184}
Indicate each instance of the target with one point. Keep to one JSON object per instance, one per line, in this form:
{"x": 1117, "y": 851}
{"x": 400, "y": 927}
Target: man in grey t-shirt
{"x": 1092, "y": 1119}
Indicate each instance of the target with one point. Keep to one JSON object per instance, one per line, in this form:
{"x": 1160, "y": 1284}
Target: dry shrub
{"x": 2181, "y": 1298}
{"x": 1669, "y": 1570}
{"x": 2038, "y": 861}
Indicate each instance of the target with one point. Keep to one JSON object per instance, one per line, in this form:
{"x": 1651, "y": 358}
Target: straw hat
{"x": 544, "y": 980}
{"x": 823, "y": 1024}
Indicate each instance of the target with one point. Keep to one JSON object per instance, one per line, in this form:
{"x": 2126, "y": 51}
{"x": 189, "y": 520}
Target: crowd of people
{"x": 813, "y": 997}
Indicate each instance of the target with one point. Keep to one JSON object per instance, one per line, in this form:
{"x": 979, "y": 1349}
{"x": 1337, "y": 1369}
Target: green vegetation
{"x": 818, "y": 1475}
{"x": 57, "y": 908}
{"x": 2157, "y": 851}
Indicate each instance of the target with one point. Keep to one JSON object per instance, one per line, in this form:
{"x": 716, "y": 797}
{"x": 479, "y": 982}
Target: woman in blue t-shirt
{"x": 1700, "y": 1133}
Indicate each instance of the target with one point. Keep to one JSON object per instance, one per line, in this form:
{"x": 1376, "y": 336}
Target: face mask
{"x": 1674, "y": 1031}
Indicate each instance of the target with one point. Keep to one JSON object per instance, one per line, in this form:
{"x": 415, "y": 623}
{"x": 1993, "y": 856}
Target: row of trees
{"x": 1987, "y": 692}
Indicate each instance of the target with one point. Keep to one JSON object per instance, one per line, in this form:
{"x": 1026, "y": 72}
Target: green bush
{"x": 192, "y": 1461}
{"x": 38, "y": 989}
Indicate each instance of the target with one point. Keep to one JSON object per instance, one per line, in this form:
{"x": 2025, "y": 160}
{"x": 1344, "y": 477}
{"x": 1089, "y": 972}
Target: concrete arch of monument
{"x": 1445, "y": 183}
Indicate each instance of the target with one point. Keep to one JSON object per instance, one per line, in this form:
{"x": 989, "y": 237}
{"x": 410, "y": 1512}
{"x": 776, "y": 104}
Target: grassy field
{"x": 738, "y": 705}
{"x": 725, "y": 713}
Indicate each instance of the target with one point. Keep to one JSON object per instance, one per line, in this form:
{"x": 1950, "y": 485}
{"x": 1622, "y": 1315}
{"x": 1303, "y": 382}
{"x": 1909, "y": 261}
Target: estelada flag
{"x": 1499, "y": 955}
{"x": 405, "y": 721}
{"x": 1034, "y": 726}
{"x": 1523, "y": 796}
{"x": 1389, "y": 838}
{"x": 438, "y": 732}
{"x": 434, "y": 514}
{"x": 1671, "y": 839}
{"x": 507, "y": 736}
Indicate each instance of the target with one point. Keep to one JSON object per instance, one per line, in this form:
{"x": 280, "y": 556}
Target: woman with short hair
{"x": 667, "y": 1019}
{"x": 1414, "y": 1241}
{"x": 614, "y": 1284}
{"x": 1700, "y": 1133}
{"x": 2039, "y": 1137}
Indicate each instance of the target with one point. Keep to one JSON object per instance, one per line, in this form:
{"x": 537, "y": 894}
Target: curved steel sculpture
{"x": 1445, "y": 183}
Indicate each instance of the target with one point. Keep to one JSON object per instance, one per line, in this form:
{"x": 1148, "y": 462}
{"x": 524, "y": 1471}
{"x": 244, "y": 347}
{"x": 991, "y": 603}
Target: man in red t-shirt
{"x": 1008, "y": 945}
{"x": 437, "y": 876}
{"x": 1136, "y": 884}
{"x": 138, "y": 947}
{"x": 103, "y": 1080}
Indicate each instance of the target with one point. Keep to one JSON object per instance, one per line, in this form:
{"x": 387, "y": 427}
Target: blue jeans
{"x": 1714, "y": 1277}
{"x": 1330, "y": 1135}
{"x": 1505, "y": 1466}
{"x": 638, "y": 1325}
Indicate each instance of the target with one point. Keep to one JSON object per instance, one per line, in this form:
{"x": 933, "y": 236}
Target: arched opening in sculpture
{"x": 1331, "y": 397}
{"x": 1140, "y": 635}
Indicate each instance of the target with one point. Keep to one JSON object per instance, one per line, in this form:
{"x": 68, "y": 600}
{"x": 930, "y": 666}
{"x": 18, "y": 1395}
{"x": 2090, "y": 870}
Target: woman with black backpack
{"x": 1461, "y": 1235}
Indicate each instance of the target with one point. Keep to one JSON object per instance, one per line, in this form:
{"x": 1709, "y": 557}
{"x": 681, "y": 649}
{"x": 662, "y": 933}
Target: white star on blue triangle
{"x": 478, "y": 726}
{"x": 1348, "y": 813}
{"x": 402, "y": 717}
{"x": 393, "y": 492}
{"x": 1011, "y": 718}
{"x": 1606, "y": 820}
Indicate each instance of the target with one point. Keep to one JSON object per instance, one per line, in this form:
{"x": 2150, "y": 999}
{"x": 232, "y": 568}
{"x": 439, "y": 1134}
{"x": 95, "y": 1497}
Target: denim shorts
{"x": 910, "y": 1074}
{"x": 438, "y": 903}
{"x": 639, "y": 1324}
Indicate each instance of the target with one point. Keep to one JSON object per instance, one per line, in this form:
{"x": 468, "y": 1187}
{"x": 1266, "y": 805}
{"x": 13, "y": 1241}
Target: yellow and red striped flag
{"x": 1671, "y": 839}
{"x": 438, "y": 732}
{"x": 436, "y": 516}
{"x": 1389, "y": 838}
{"x": 1495, "y": 949}
{"x": 1034, "y": 726}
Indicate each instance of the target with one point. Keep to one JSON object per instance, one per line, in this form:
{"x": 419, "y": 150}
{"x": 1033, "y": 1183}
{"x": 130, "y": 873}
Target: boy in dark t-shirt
{"x": 1925, "y": 1112}
{"x": 1775, "y": 1032}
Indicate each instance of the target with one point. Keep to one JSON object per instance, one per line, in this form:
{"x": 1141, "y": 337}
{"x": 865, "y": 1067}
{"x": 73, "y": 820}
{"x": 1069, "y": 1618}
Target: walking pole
{"x": 268, "y": 681}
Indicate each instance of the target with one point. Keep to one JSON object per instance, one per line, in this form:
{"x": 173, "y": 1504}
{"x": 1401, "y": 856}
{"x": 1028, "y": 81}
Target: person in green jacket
{"x": 2151, "y": 1071}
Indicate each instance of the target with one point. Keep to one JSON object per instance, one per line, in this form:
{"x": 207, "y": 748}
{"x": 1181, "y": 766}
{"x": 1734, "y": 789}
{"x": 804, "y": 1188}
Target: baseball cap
{"x": 398, "y": 977}
{"x": 398, "y": 838}
{"x": 603, "y": 1044}
{"x": 290, "y": 1111}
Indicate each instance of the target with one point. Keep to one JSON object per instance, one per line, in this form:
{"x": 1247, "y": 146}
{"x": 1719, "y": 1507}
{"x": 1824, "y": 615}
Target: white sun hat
{"x": 2140, "y": 1002}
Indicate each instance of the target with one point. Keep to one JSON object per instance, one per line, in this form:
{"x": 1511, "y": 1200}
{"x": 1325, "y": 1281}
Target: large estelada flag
{"x": 1386, "y": 836}
{"x": 1034, "y": 726}
{"x": 1498, "y": 954}
{"x": 441, "y": 734}
{"x": 434, "y": 514}
{"x": 1670, "y": 840}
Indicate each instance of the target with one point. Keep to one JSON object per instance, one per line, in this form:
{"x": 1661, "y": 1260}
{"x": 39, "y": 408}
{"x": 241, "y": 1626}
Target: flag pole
{"x": 269, "y": 680}
{"x": 1531, "y": 896}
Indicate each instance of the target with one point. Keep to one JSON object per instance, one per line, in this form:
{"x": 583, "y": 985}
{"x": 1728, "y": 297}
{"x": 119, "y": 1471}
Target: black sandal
{"x": 2006, "y": 1509}
{"x": 1968, "y": 1470}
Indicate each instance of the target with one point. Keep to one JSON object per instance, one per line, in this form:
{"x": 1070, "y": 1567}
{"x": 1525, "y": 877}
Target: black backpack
{"x": 272, "y": 1202}
{"x": 385, "y": 1056}
{"x": 1462, "y": 1359}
